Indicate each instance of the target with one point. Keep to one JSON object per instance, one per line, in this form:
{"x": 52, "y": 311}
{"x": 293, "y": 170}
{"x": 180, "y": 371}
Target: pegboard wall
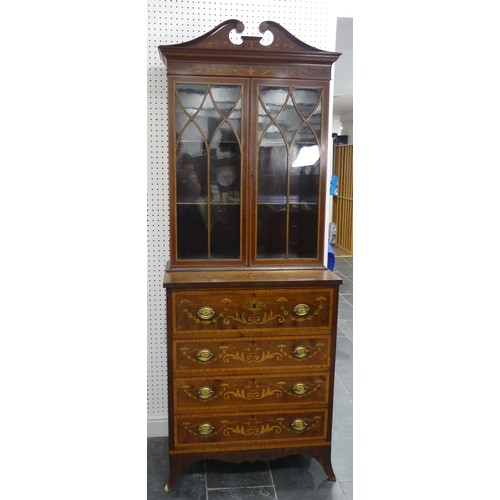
{"x": 176, "y": 21}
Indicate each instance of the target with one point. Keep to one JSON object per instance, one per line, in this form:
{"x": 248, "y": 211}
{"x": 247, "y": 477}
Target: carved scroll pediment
{"x": 219, "y": 39}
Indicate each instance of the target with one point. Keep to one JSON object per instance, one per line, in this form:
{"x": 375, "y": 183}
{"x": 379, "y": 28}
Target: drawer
{"x": 226, "y": 428}
{"x": 251, "y": 354}
{"x": 279, "y": 310}
{"x": 208, "y": 393}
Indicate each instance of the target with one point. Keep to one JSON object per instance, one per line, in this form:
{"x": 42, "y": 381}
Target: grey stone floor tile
{"x": 347, "y": 284}
{"x": 257, "y": 493}
{"x": 157, "y": 477}
{"x": 342, "y": 454}
{"x": 345, "y": 308}
{"x": 349, "y": 297}
{"x": 343, "y": 362}
{"x": 232, "y": 475}
{"x": 157, "y": 447}
{"x": 301, "y": 477}
{"x": 190, "y": 485}
{"x": 347, "y": 487}
{"x": 345, "y": 325}
{"x": 346, "y": 281}
{"x": 344, "y": 261}
{"x": 345, "y": 314}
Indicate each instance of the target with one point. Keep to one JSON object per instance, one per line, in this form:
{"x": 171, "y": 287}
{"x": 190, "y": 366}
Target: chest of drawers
{"x": 251, "y": 363}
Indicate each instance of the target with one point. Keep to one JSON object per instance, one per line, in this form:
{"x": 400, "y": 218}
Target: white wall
{"x": 175, "y": 22}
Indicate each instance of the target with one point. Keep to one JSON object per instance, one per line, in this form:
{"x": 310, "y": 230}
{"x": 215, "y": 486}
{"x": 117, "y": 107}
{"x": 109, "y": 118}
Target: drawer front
{"x": 223, "y": 429}
{"x": 280, "y": 310}
{"x": 271, "y": 353}
{"x": 206, "y": 393}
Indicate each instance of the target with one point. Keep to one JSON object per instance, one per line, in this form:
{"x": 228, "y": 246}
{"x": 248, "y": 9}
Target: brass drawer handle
{"x": 204, "y": 355}
{"x": 205, "y": 429}
{"x": 205, "y": 392}
{"x": 299, "y": 425}
{"x": 300, "y": 388}
{"x": 301, "y": 309}
{"x": 205, "y": 313}
{"x": 300, "y": 352}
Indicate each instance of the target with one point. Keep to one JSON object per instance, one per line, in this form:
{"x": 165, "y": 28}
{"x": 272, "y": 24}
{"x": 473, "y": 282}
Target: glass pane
{"x": 273, "y": 99}
{"x": 181, "y": 118}
{"x": 315, "y": 121}
{"x": 191, "y": 172}
{"x": 263, "y": 119}
{"x": 225, "y": 97}
{"x": 191, "y": 96}
{"x": 306, "y": 100}
{"x": 235, "y": 118}
{"x": 303, "y": 231}
{"x": 272, "y": 168}
{"x": 304, "y": 172}
{"x": 208, "y": 118}
{"x": 225, "y": 231}
{"x": 271, "y": 231}
{"x": 192, "y": 232}
{"x": 305, "y": 136}
{"x": 289, "y": 120}
{"x": 225, "y": 167}
{"x": 192, "y": 134}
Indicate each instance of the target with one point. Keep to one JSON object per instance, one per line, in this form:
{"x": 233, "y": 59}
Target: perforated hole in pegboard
{"x": 176, "y": 21}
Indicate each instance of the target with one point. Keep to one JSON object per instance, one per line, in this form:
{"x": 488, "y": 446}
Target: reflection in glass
{"x": 225, "y": 231}
{"x": 192, "y": 233}
{"x": 208, "y": 171}
{"x": 315, "y": 121}
{"x": 272, "y": 168}
{"x": 235, "y": 119}
{"x": 306, "y": 100}
{"x": 263, "y": 121}
{"x": 288, "y": 184}
{"x": 225, "y": 167}
{"x": 191, "y": 172}
{"x": 191, "y": 96}
{"x": 273, "y": 98}
{"x": 225, "y": 97}
{"x": 289, "y": 120}
{"x": 271, "y": 231}
{"x": 208, "y": 118}
{"x": 303, "y": 231}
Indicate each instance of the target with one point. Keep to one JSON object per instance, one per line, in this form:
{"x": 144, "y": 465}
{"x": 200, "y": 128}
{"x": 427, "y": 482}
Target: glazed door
{"x": 289, "y": 165}
{"x": 208, "y": 172}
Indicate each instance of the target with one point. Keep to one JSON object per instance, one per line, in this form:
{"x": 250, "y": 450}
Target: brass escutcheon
{"x": 205, "y": 392}
{"x": 300, "y": 388}
{"x": 300, "y": 352}
{"x": 204, "y": 355}
{"x": 298, "y": 425}
{"x": 301, "y": 309}
{"x": 206, "y": 313}
{"x": 205, "y": 429}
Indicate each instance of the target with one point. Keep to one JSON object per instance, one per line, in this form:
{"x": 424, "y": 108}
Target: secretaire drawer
{"x": 272, "y": 353}
{"x": 225, "y": 429}
{"x": 280, "y": 310}
{"x": 209, "y": 393}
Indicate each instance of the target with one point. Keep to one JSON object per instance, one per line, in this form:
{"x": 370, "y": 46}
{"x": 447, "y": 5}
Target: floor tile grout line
{"x": 346, "y": 277}
{"x": 240, "y": 487}
{"x": 342, "y": 382}
{"x": 206, "y": 480}
{"x": 272, "y": 480}
{"x": 342, "y": 488}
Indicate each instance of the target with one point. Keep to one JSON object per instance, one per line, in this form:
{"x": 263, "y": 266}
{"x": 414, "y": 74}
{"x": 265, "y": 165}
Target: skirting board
{"x": 157, "y": 425}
